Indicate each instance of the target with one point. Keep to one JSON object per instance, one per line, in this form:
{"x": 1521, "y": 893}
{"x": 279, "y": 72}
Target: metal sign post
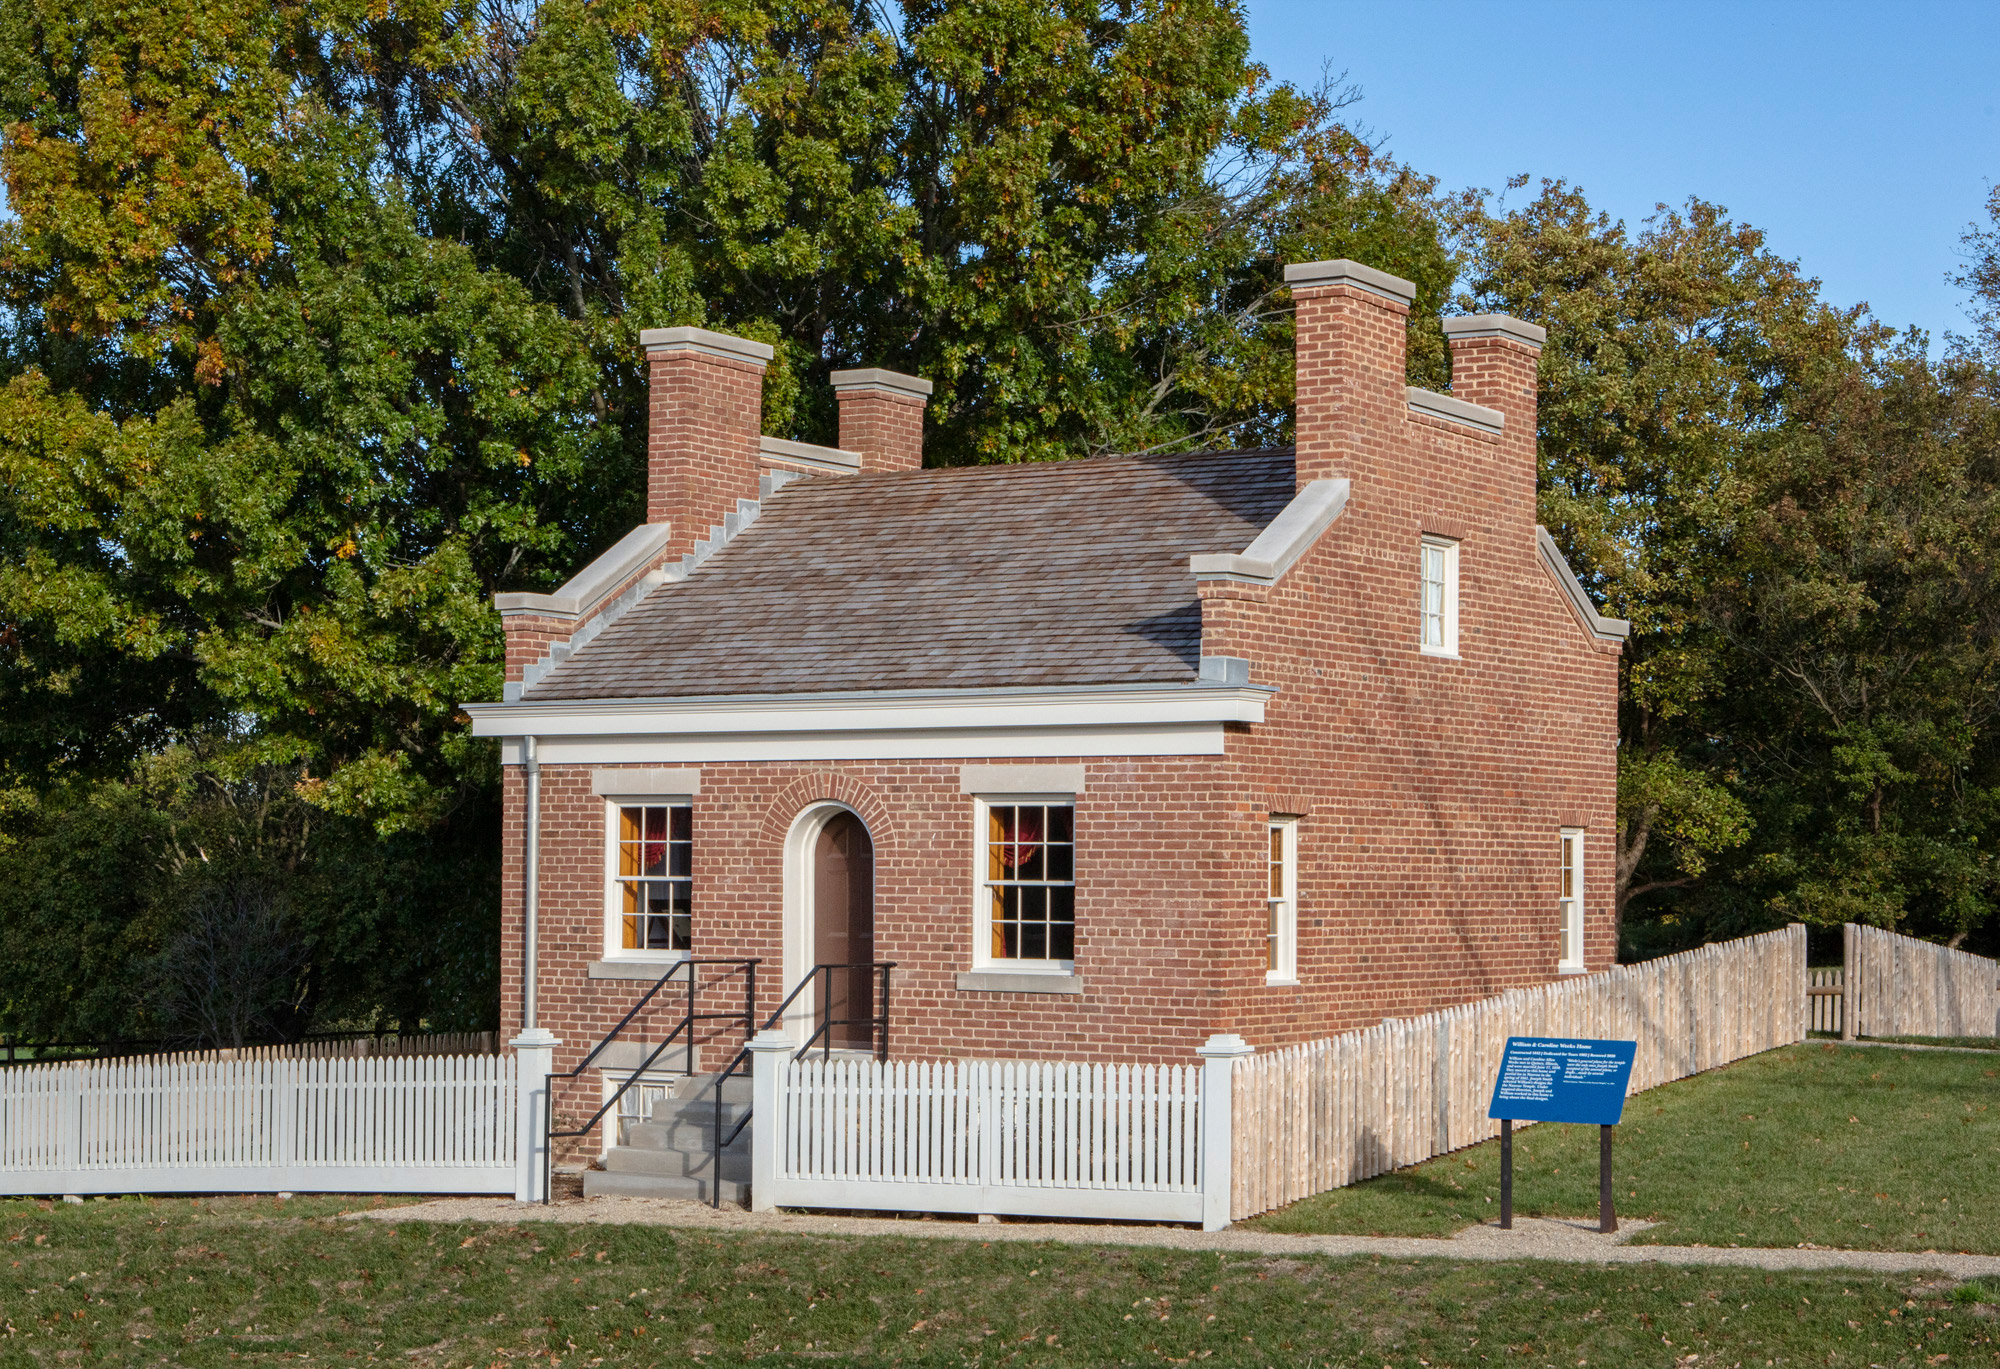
{"x": 1561, "y": 1079}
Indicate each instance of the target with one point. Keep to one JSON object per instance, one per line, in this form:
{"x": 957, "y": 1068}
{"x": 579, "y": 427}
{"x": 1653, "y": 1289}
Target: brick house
{"x": 1104, "y": 755}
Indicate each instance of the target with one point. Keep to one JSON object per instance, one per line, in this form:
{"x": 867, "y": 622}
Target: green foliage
{"x": 1797, "y": 515}
{"x": 199, "y": 893}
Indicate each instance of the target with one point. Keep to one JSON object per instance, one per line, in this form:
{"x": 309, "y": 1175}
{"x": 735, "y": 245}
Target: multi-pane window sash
{"x": 1281, "y": 900}
{"x": 1031, "y": 881}
{"x": 655, "y": 876}
{"x": 1438, "y": 607}
{"x": 1571, "y": 898}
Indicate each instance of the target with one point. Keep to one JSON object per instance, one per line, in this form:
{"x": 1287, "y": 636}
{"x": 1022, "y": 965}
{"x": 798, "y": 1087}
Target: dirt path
{"x": 1533, "y": 1238}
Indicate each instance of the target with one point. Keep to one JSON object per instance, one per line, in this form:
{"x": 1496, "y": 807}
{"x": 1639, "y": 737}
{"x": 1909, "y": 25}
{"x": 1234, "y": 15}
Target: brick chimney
{"x": 1352, "y": 336}
{"x": 882, "y": 417}
{"x": 1493, "y": 364}
{"x": 705, "y": 414}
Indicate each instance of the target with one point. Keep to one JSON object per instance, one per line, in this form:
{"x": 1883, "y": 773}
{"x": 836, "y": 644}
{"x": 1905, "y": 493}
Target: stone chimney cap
{"x": 1345, "y": 272}
{"x": 875, "y": 378}
{"x": 1495, "y": 325}
{"x": 702, "y": 340}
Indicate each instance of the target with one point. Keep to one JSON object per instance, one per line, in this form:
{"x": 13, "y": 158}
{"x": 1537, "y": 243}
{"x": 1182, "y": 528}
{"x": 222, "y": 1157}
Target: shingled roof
{"x": 1059, "y": 573}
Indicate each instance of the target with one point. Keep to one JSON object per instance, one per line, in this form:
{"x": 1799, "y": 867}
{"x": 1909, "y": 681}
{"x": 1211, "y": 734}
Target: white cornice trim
{"x": 1596, "y": 624}
{"x": 1082, "y": 706}
{"x": 1431, "y": 404}
{"x": 1283, "y": 541}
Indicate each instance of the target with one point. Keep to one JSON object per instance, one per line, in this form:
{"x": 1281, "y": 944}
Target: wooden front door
{"x": 843, "y": 907}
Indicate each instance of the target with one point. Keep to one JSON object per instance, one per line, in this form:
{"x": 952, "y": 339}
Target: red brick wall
{"x": 1429, "y": 791}
{"x": 701, "y": 447}
{"x": 885, "y": 427}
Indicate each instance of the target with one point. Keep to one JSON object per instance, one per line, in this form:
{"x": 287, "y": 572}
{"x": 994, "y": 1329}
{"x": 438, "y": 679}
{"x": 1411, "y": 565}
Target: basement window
{"x": 652, "y": 880}
{"x": 1027, "y": 885}
{"x": 1438, "y": 610}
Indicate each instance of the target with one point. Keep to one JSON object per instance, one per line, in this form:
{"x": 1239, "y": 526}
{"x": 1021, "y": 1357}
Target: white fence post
{"x": 1218, "y": 1057}
{"x": 534, "y": 1057}
{"x": 770, "y": 1055}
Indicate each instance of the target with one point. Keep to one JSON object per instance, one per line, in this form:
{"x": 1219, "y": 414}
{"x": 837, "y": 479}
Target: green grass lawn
{"x": 1833, "y": 1145}
{"x": 252, "y": 1282}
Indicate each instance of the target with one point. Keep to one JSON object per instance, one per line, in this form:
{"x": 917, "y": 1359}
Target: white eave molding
{"x": 1147, "y": 720}
{"x": 1596, "y": 624}
{"x": 1288, "y": 537}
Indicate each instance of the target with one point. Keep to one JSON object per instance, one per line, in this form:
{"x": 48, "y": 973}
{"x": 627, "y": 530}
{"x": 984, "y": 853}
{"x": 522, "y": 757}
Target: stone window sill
{"x": 648, "y": 970}
{"x": 1003, "y": 981}
{"x": 1572, "y": 969}
{"x": 1280, "y": 982}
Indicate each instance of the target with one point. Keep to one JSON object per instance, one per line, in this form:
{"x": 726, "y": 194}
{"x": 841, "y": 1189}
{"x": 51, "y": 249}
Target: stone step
{"x": 674, "y": 1163}
{"x": 611, "y": 1183}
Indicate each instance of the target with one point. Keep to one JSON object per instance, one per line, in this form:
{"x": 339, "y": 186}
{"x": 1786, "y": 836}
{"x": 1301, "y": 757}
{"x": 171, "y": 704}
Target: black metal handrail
{"x": 748, "y": 1016}
{"x": 827, "y": 1022}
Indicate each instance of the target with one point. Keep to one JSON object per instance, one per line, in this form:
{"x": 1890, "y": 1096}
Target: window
{"x": 1571, "y": 900}
{"x": 1281, "y": 902}
{"x": 652, "y": 882}
{"x": 1439, "y": 609}
{"x": 1028, "y": 885}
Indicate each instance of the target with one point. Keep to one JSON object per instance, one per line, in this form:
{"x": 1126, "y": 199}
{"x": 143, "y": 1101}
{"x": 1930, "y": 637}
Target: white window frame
{"x": 614, "y": 912}
{"x": 1281, "y": 909}
{"x": 982, "y": 902}
{"x": 1569, "y": 907}
{"x": 1444, "y": 618}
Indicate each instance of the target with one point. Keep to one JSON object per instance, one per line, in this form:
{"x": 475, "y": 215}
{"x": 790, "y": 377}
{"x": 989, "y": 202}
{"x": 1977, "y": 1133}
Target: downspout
{"x": 531, "y": 897}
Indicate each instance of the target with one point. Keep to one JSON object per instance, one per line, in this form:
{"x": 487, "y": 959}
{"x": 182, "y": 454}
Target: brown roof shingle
{"x": 1062, "y": 573}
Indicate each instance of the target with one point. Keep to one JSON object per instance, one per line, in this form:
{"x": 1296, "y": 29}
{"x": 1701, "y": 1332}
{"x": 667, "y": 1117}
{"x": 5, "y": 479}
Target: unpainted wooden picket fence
{"x": 1823, "y": 998}
{"x": 987, "y": 1136}
{"x": 1330, "y": 1113}
{"x": 1900, "y": 986}
{"x": 406, "y": 1124}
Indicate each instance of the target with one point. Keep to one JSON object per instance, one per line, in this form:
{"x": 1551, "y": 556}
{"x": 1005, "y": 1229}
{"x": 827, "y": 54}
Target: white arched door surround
{"x": 801, "y": 846}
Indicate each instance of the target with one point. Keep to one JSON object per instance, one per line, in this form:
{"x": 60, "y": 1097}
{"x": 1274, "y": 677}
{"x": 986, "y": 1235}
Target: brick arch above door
{"x": 829, "y": 786}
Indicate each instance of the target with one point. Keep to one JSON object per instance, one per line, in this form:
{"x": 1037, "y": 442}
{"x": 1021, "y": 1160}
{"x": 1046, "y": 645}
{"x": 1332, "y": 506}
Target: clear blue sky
{"x": 1861, "y": 138}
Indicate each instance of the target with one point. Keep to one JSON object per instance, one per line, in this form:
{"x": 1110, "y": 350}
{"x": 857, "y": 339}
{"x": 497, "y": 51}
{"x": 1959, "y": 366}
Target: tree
{"x": 321, "y": 327}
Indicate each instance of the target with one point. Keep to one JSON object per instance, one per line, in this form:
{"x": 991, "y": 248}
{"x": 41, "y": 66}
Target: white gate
{"x": 987, "y": 1136}
{"x": 411, "y": 1124}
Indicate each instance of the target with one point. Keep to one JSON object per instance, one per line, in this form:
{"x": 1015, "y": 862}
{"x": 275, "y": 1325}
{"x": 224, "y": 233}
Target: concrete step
{"x": 696, "y": 1112}
{"x": 739, "y": 1089}
{"x": 689, "y": 1134}
{"x": 611, "y": 1183}
{"x": 674, "y": 1163}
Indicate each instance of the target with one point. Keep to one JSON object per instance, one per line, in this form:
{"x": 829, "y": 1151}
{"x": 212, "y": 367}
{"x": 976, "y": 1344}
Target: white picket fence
{"x": 988, "y": 1136}
{"x": 1900, "y": 986}
{"x": 1330, "y": 1113}
{"x": 409, "y": 1124}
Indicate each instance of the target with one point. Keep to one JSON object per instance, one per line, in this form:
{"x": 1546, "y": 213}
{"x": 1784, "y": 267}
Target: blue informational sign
{"x": 1563, "y": 1079}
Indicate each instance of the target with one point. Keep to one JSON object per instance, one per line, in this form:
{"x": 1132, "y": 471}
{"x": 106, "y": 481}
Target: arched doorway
{"x": 830, "y": 919}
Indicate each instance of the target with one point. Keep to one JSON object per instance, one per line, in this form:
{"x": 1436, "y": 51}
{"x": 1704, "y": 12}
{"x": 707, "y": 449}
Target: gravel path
{"x": 1533, "y": 1238}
